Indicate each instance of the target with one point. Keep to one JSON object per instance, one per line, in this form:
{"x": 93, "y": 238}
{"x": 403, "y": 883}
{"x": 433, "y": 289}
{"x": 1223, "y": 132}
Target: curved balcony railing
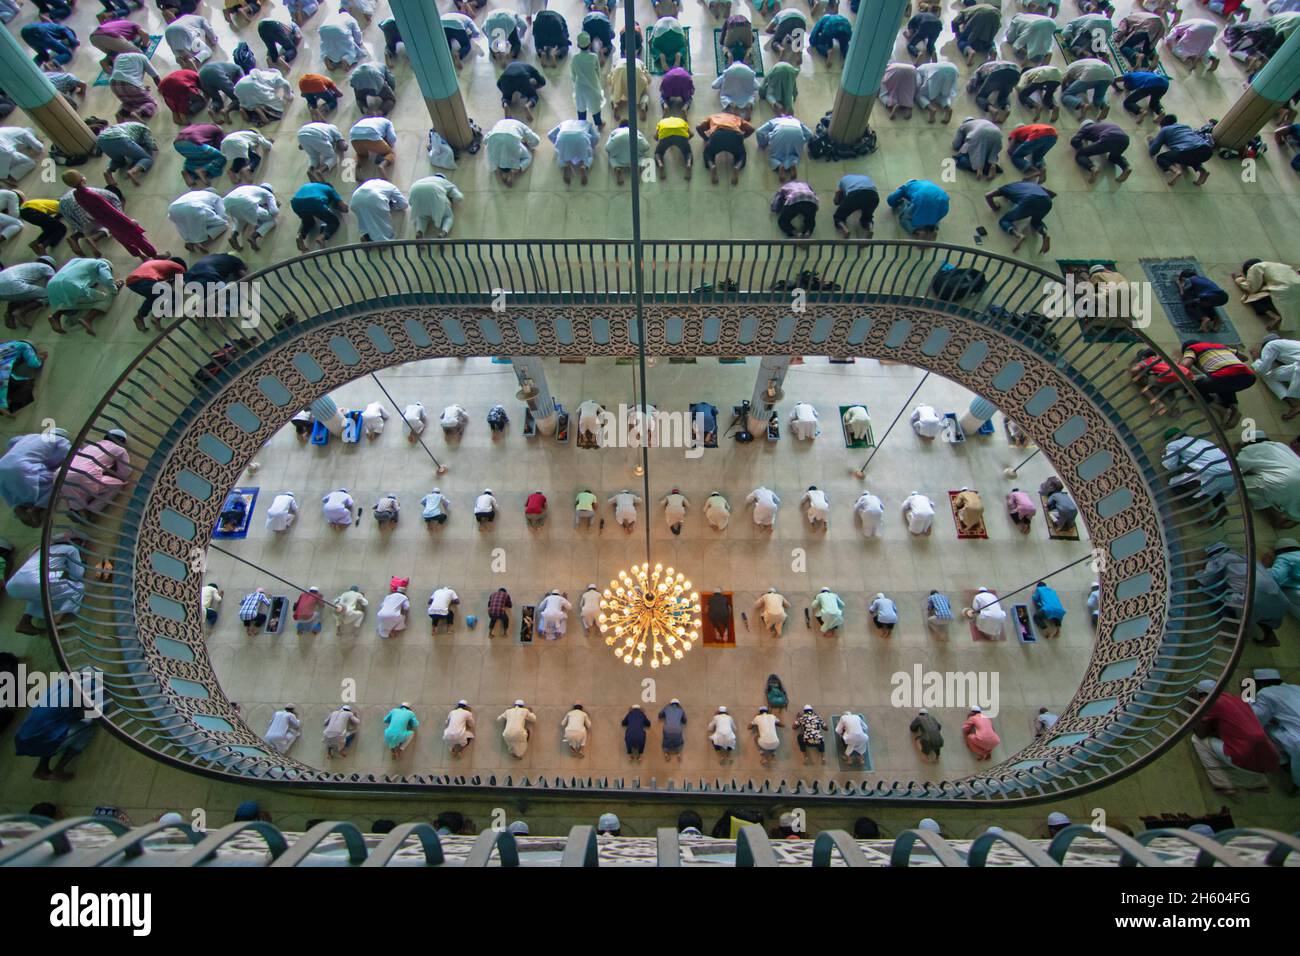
{"x": 719, "y": 298}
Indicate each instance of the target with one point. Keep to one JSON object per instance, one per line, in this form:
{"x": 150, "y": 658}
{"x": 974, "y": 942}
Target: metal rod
{"x": 901, "y": 409}
{"x": 1011, "y": 472}
{"x": 258, "y": 567}
{"x": 418, "y": 436}
{"x": 1042, "y": 577}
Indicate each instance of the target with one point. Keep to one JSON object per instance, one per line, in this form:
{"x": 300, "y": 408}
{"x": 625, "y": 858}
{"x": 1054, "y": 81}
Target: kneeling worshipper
{"x": 64, "y": 581}
{"x": 828, "y": 608}
{"x": 1195, "y": 459}
{"x": 1278, "y": 367}
{"x": 1224, "y": 578}
{"x": 1231, "y": 744}
{"x": 391, "y": 616}
{"x": 1277, "y": 706}
{"x": 978, "y": 732}
{"x": 553, "y": 613}
{"x": 1271, "y": 473}
{"x": 515, "y": 733}
{"x": 97, "y": 473}
{"x": 988, "y": 613}
{"x": 284, "y": 509}
{"x": 27, "y": 471}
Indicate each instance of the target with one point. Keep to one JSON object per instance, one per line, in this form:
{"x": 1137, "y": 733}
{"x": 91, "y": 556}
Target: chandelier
{"x": 650, "y": 610}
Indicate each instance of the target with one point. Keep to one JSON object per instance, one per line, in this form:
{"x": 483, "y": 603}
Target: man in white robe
{"x": 252, "y": 211}
{"x": 589, "y": 608}
{"x": 391, "y": 616}
{"x": 453, "y": 420}
{"x": 576, "y": 725}
{"x": 553, "y": 612}
{"x": 717, "y": 511}
{"x": 817, "y": 506}
{"x": 624, "y": 504}
{"x": 460, "y": 727}
{"x": 337, "y": 508}
{"x": 350, "y": 606}
{"x": 280, "y": 516}
{"x": 803, "y": 422}
{"x": 918, "y": 512}
{"x": 510, "y": 146}
{"x": 373, "y": 203}
{"x": 199, "y": 216}
{"x": 871, "y": 513}
{"x": 765, "y": 504}
{"x": 431, "y": 199}
{"x": 988, "y": 613}
{"x": 324, "y": 144}
{"x": 516, "y": 733}
{"x": 191, "y": 39}
{"x": 927, "y": 422}
{"x": 1278, "y": 367}
{"x": 852, "y": 729}
{"x": 284, "y": 730}
{"x": 722, "y": 731}
{"x": 858, "y": 422}
{"x": 1277, "y": 706}
{"x": 589, "y": 421}
{"x": 416, "y": 419}
{"x": 373, "y": 417}
{"x": 771, "y": 608}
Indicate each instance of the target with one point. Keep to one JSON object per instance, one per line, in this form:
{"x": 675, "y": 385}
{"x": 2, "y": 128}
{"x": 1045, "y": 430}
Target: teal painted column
{"x": 870, "y": 49}
{"x": 31, "y": 89}
{"x": 534, "y": 392}
{"x": 767, "y": 391}
{"x": 420, "y": 25}
{"x": 1270, "y": 89}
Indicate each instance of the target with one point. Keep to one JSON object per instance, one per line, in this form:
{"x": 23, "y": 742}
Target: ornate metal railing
{"x": 331, "y": 316}
{"x": 99, "y": 841}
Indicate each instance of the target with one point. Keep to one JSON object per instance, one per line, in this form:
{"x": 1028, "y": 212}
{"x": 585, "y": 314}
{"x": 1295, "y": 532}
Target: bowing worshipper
{"x": 84, "y": 288}
{"x": 969, "y": 508}
{"x": 737, "y": 87}
{"x": 992, "y": 84}
{"x": 1277, "y": 707}
{"x": 324, "y": 144}
{"x": 550, "y": 37}
{"x": 217, "y": 81}
{"x": 764, "y": 727}
{"x": 64, "y": 584}
{"x": 1277, "y": 365}
{"x": 210, "y": 602}
{"x": 98, "y": 471}
{"x": 618, "y": 91}
{"x": 323, "y": 95}
{"x": 724, "y": 133}
{"x": 263, "y": 96}
{"x": 898, "y": 89}
{"x": 516, "y": 732}
{"x": 765, "y": 504}
{"x": 127, "y": 83}
{"x": 920, "y": 206}
{"x": 115, "y": 36}
{"x": 459, "y": 729}
{"x": 1086, "y": 35}
{"x": 1028, "y": 146}
{"x": 1031, "y": 36}
{"x": 149, "y": 280}
{"x": 1272, "y": 290}
{"x": 319, "y": 206}
{"x": 199, "y": 144}
{"x": 597, "y": 25}
{"x": 852, "y": 729}
{"x": 576, "y": 725}
{"x": 431, "y": 199}
{"x": 722, "y": 732}
{"x": 927, "y": 735}
{"x": 788, "y": 29}
{"x": 976, "y": 147}
{"x": 434, "y": 507}
{"x": 817, "y": 507}
{"x": 252, "y": 611}
{"x": 282, "y": 513}
{"x": 785, "y": 139}
{"x": 191, "y": 39}
{"x": 673, "y": 132}
{"x": 829, "y": 30}
{"x": 130, "y": 148}
{"x": 1061, "y": 510}
{"x": 978, "y": 733}
{"x": 771, "y": 608}
{"x": 575, "y": 143}
{"x": 505, "y": 31}
{"x": 453, "y": 420}
{"x": 47, "y": 216}
{"x": 183, "y": 94}
{"x": 856, "y": 419}
{"x": 1221, "y": 372}
{"x": 884, "y": 612}
{"x": 585, "y": 69}
{"x": 828, "y": 609}
{"x": 22, "y": 289}
{"x": 1231, "y": 743}
{"x": 374, "y": 138}
{"x": 1197, "y": 460}
{"x": 780, "y": 88}
{"x": 1085, "y": 78}
{"x": 20, "y": 361}
{"x": 1145, "y": 92}
{"x": 253, "y": 213}
{"x": 589, "y": 420}
{"x": 553, "y": 615}
{"x": 927, "y": 422}
{"x": 519, "y": 84}
{"x": 1223, "y": 578}
{"x": 803, "y": 421}
{"x": 636, "y": 723}
{"x": 923, "y": 28}
{"x": 667, "y": 43}
{"x": 485, "y": 509}
{"x": 350, "y": 609}
{"x": 341, "y": 44}
{"x": 625, "y": 504}
{"x": 400, "y": 725}
{"x": 618, "y": 146}
{"x": 918, "y": 512}
{"x": 810, "y": 732}
{"x": 737, "y": 38}
{"x": 1178, "y": 148}
{"x": 871, "y": 514}
{"x": 373, "y": 203}
{"x": 510, "y": 146}
{"x": 93, "y": 206}
{"x": 417, "y": 419}
{"x": 1021, "y": 509}
{"x": 1285, "y": 570}
{"x": 936, "y": 87}
{"x": 1106, "y": 140}
{"x": 1270, "y": 471}
{"x": 1049, "y": 612}
{"x": 1037, "y": 90}
{"x": 284, "y": 730}
{"x": 674, "y": 504}
{"x": 1029, "y": 202}
{"x": 337, "y": 508}
{"x": 674, "y": 732}
{"x": 393, "y": 610}
{"x": 442, "y": 609}
{"x": 938, "y": 614}
{"x": 988, "y": 613}
{"x": 676, "y": 90}
{"x": 339, "y": 730}
{"x": 244, "y": 149}
{"x": 976, "y": 29}
{"x": 306, "y": 611}
{"x": 282, "y": 41}
{"x": 1192, "y": 42}
{"x": 717, "y": 511}
{"x": 199, "y": 217}
{"x": 589, "y": 609}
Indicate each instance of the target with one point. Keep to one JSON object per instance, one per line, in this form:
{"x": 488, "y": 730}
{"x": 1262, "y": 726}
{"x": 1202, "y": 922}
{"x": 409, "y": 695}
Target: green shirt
{"x": 586, "y": 501}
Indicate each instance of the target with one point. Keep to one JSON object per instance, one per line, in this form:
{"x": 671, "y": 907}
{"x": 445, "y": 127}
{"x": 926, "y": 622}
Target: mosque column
{"x": 870, "y": 49}
{"x": 981, "y": 410}
{"x": 534, "y": 392}
{"x": 327, "y": 413}
{"x": 420, "y": 25}
{"x": 767, "y": 392}
{"x": 1271, "y": 88}
{"x": 28, "y": 86}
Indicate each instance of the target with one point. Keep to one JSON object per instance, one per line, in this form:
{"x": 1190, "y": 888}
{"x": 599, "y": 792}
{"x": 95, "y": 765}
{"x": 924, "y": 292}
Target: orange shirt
{"x": 315, "y": 83}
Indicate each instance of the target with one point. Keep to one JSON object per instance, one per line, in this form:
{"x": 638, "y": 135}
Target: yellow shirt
{"x": 672, "y": 126}
{"x": 48, "y": 206}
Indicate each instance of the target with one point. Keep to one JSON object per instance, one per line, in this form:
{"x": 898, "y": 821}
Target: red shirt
{"x": 1244, "y": 741}
{"x": 155, "y": 270}
{"x": 315, "y": 83}
{"x": 536, "y": 504}
{"x": 1031, "y": 132}
{"x": 179, "y": 89}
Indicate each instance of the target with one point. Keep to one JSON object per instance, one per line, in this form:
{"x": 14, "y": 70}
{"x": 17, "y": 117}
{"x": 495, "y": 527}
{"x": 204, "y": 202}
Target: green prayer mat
{"x": 653, "y": 62}
{"x": 154, "y": 40}
{"x": 753, "y": 59}
{"x": 849, "y": 440}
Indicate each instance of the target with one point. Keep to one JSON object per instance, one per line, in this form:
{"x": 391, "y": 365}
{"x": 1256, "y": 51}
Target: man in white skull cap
{"x": 852, "y": 729}
{"x": 416, "y": 419}
{"x": 553, "y": 612}
{"x": 871, "y": 513}
{"x": 284, "y": 729}
{"x": 280, "y": 516}
{"x": 340, "y": 730}
{"x": 771, "y": 607}
{"x": 589, "y": 608}
{"x": 516, "y": 731}
{"x": 988, "y": 613}
{"x": 460, "y": 727}
{"x": 927, "y": 422}
{"x": 722, "y": 731}
{"x": 803, "y": 422}
{"x": 817, "y": 505}
{"x": 918, "y": 512}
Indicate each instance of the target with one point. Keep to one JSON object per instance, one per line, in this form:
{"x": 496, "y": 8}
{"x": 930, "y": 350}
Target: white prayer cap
{"x": 1057, "y": 819}
{"x": 824, "y": 590}
{"x": 591, "y": 587}
{"x": 608, "y": 821}
{"x": 880, "y": 594}
{"x": 347, "y": 707}
{"x": 928, "y": 823}
{"x": 722, "y": 708}
{"x": 922, "y": 711}
{"x": 462, "y": 703}
{"x": 172, "y": 817}
{"x": 674, "y": 701}
{"x": 554, "y": 591}
{"x": 983, "y": 589}
{"x": 786, "y": 820}
{"x": 406, "y": 705}
{"x": 519, "y": 702}
{"x": 976, "y": 709}
{"x": 116, "y": 433}
{"x": 771, "y": 590}
{"x": 1206, "y": 686}
{"x": 762, "y": 710}
{"x": 807, "y": 707}
{"x": 437, "y": 491}
{"x": 487, "y": 491}
{"x": 267, "y": 186}
{"x": 993, "y": 830}
{"x": 289, "y": 707}
{"x": 1266, "y": 673}
{"x": 518, "y": 828}
{"x": 1096, "y": 584}
{"x": 1201, "y": 829}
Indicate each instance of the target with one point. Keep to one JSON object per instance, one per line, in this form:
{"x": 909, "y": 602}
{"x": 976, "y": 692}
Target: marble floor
{"x": 1240, "y": 212}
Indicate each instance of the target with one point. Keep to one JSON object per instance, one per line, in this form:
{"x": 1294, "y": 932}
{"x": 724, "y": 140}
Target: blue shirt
{"x": 940, "y": 607}
{"x": 1202, "y": 287}
{"x": 316, "y": 197}
{"x": 854, "y": 182}
{"x": 1048, "y": 604}
{"x": 929, "y": 202}
{"x": 829, "y": 28}
{"x": 1144, "y": 80}
{"x": 1177, "y": 137}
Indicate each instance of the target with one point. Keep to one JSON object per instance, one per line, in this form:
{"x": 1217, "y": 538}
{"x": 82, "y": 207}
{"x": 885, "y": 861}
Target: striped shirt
{"x": 940, "y": 607}
{"x": 136, "y": 133}
{"x": 251, "y": 605}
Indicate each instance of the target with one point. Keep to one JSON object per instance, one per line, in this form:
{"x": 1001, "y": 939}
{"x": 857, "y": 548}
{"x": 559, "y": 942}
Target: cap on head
{"x": 519, "y": 702}
{"x": 928, "y": 823}
{"x": 1205, "y": 686}
{"x": 976, "y": 709}
{"x": 1057, "y": 819}
{"x": 608, "y": 821}
{"x": 1093, "y": 270}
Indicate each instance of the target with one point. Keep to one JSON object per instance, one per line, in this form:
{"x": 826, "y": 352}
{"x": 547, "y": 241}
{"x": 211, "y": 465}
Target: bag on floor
{"x": 952, "y": 284}
{"x": 441, "y": 155}
{"x": 244, "y": 58}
